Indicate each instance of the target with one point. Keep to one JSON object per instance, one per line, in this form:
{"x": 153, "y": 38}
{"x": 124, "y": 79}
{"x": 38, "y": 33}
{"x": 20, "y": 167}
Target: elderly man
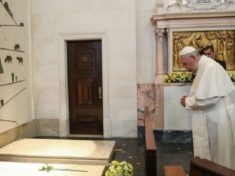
{"x": 213, "y": 121}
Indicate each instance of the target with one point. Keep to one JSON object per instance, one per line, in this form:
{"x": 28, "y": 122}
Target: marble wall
{"x": 146, "y": 99}
{"x": 145, "y": 42}
{"x": 114, "y": 22}
{"x": 15, "y": 76}
{"x": 163, "y": 104}
{"x": 26, "y": 130}
{"x": 176, "y": 117}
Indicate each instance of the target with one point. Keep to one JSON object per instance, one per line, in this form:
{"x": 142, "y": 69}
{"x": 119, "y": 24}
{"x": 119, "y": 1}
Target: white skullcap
{"x": 187, "y": 50}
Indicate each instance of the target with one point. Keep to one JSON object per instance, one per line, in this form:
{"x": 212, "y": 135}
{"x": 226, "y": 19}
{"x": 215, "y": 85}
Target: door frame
{"x": 63, "y": 80}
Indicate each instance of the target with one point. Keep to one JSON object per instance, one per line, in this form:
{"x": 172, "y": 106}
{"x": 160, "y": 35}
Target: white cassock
{"x": 213, "y": 121}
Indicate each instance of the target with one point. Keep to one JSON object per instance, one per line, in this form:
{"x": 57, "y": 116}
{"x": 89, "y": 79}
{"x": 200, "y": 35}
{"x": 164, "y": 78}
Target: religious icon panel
{"x": 223, "y": 42}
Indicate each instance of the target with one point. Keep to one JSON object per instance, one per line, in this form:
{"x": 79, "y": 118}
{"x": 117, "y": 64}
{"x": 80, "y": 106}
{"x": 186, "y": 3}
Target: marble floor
{"x": 132, "y": 150}
{"x": 174, "y": 154}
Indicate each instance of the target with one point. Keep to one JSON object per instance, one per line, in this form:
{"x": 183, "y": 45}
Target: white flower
{"x": 116, "y": 168}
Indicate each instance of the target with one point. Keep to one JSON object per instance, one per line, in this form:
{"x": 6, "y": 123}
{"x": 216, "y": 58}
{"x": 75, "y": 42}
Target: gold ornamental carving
{"x": 223, "y": 42}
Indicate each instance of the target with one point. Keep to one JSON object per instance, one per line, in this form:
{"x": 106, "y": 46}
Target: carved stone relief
{"x": 174, "y": 6}
{"x": 223, "y": 42}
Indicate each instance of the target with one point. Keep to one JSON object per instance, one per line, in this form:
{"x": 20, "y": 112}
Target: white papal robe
{"x": 213, "y": 121}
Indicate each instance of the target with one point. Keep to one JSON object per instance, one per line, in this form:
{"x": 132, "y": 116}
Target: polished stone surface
{"x": 26, "y": 130}
{"x": 173, "y": 148}
{"x": 172, "y": 154}
{"x": 170, "y": 136}
{"x": 146, "y": 98}
{"x": 132, "y": 151}
{"x": 47, "y": 127}
{"x": 33, "y": 169}
{"x": 89, "y": 150}
{"x": 168, "y": 153}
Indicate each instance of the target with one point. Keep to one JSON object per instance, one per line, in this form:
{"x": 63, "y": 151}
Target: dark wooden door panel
{"x": 85, "y": 87}
{"x": 86, "y": 90}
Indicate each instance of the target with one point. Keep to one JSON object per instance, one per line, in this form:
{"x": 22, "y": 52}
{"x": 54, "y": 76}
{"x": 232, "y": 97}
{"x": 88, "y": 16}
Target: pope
{"x": 210, "y": 99}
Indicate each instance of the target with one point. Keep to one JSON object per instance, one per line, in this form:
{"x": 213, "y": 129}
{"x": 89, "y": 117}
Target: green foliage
{"x": 179, "y": 77}
{"x": 186, "y": 77}
{"x": 117, "y": 168}
{"x": 46, "y": 168}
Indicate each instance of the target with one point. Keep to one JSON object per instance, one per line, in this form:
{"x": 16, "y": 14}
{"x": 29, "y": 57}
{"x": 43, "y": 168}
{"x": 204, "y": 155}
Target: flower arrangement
{"x": 186, "y": 77}
{"x": 116, "y": 168}
{"x": 179, "y": 77}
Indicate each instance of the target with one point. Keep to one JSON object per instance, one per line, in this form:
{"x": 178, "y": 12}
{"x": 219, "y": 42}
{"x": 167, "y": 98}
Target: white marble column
{"x": 161, "y": 47}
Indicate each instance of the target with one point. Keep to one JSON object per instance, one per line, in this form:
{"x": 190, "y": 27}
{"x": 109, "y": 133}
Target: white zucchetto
{"x": 187, "y": 50}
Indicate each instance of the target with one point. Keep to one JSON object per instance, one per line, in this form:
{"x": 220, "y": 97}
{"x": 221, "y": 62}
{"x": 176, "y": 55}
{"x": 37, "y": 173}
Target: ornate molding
{"x": 179, "y": 6}
{"x": 191, "y": 15}
{"x": 160, "y": 32}
{"x": 181, "y": 20}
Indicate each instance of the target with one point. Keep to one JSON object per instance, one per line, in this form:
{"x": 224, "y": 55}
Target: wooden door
{"x": 85, "y": 87}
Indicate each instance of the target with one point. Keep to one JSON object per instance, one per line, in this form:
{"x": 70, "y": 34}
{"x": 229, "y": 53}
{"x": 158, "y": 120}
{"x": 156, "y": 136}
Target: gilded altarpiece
{"x": 223, "y": 42}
